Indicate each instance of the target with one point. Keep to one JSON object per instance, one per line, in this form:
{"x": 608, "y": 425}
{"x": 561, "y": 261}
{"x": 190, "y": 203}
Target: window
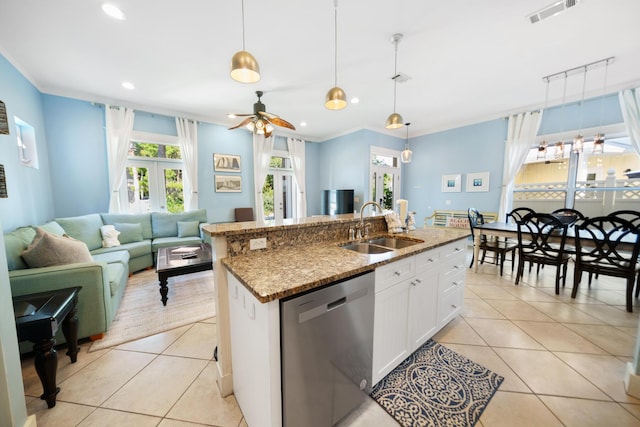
{"x": 384, "y": 173}
{"x": 153, "y": 174}
{"x": 27, "y": 149}
{"x": 592, "y": 182}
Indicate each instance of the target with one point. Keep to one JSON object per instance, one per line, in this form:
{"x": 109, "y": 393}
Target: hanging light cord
{"x": 395, "y": 74}
{"x": 335, "y": 40}
{"x": 564, "y": 96}
{"x": 604, "y": 88}
{"x": 584, "y": 85}
{"x": 243, "y": 48}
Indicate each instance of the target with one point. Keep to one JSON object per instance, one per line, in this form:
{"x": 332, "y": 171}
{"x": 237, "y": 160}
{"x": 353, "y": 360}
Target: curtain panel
{"x": 297, "y": 152}
{"x": 262, "y": 149}
{"x": 521, "y": 135}
{"x": 119, "y": 124}
{"x": 188, "y": 138}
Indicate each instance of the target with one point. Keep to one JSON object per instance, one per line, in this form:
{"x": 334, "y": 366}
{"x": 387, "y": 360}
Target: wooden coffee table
{"x": 179, "y": 260}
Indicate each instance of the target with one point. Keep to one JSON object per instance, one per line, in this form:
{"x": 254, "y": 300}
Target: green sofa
{"x": 104, "y": 280}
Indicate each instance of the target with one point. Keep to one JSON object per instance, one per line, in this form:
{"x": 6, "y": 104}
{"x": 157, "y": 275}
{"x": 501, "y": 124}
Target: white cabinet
{"x": 415, "y": 297}
{"x": 255, "y": 355}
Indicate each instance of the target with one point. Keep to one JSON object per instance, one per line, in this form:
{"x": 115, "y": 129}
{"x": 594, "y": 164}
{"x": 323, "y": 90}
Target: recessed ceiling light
{"x": 128, "y": 85}
{"x": 303, "y": 124}
{"x": 113, "y": 11}
{"x": 231, "y": 116}
{"x": 355, "y": 100}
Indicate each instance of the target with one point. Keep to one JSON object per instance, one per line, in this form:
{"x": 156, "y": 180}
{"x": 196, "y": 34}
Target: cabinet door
{"x": 423, "y": 308}
{"x": 390, "y": 329}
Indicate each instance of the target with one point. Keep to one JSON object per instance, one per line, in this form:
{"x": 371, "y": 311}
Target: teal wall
{"x": 30, "y": 200}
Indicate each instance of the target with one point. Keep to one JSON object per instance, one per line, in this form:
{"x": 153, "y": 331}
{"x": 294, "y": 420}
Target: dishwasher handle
{"x": 324, "y": 307}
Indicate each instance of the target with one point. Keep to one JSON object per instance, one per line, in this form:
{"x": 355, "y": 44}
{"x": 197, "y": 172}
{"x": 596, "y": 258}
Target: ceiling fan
{"x": 260, "y": 121}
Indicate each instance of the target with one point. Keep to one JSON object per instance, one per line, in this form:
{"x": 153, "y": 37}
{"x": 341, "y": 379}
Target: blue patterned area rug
{"x": 436, "y": 386}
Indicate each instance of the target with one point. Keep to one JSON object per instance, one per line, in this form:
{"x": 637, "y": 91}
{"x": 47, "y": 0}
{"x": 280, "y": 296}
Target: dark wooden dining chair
{"x": 632, "y": 216}
{"x": 518, "y": 214}
{"x": 541, "y": 240}
{"x": 568, "y": 215}
{"x": 604, "y": 255}
{"x": 498, "y": 247}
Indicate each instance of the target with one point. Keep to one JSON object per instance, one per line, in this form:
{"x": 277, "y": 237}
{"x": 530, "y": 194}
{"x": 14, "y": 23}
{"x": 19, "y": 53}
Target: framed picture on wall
{"x": 228, "y": 183}
{"x": 477, "y": 182}
{"x": 3, "y": 183}
{"x": 226, "y": 163}
{"x": 451, "y": 183}
{"x": 4, "y": 122}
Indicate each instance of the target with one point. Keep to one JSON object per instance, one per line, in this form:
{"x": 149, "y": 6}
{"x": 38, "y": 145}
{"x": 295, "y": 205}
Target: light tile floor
{"x": 563, "y": 361}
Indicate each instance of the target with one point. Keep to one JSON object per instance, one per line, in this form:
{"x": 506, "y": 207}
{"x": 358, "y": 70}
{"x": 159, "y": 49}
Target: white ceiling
{"x": 469, "y": 61}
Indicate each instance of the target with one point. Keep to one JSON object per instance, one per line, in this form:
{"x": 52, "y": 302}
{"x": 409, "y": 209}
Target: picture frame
{"x": 451, "y": 183}
{"x": 226, "y": 163}
{"x": 477, "y": 182}
{"x": 228, "y": 183}
{"x": 3, "y": 183}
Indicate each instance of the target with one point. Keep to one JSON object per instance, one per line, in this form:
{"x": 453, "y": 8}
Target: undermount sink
{"x": 379, "y": 245}
{"x": 365, "y": 248}
{"x": 393, "y": 242}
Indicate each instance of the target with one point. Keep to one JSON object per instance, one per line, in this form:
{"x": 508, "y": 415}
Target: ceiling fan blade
{"x": 243, "y": 123}
{"x": 268, "y": 115}
{"x": 281, "y": 122}
{"x": 267, "y": 134}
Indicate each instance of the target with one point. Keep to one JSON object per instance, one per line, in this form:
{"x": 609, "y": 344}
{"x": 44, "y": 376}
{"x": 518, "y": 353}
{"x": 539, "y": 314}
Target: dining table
{"x": 510, "y": 230}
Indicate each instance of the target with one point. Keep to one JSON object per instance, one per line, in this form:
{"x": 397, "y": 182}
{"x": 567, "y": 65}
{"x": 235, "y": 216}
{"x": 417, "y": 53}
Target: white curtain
{"x": 262, "y": 149}
{"x": 630, "y": 106}
{"x": 119, "y": 123}
{"x": 188, "y": 138}
{"x": 297, "y": 152}
{"x": 521, "y": 135}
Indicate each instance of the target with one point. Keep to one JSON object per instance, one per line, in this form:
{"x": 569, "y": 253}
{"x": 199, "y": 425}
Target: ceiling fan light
{"x": 269, "y": 128}
{"x": 244, "y": 67}
{"x": 336, "y": 99}
{"x": 394, "y": 121}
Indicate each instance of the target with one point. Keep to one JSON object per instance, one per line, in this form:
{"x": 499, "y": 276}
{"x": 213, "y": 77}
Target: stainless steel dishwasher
{"x": 327, "y": 346}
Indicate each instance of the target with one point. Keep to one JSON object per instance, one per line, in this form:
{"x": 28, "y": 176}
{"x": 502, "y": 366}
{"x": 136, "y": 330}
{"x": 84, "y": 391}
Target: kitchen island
{"x": 303, "y": 255}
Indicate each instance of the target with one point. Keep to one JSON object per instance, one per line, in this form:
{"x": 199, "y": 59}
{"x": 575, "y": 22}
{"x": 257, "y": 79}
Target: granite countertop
{"x": 275, "y": 274}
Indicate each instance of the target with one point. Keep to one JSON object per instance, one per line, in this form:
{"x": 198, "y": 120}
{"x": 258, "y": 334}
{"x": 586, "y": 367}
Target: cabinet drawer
{"x": 390, "y": 274}
{"x": 453, "y": 265}
{"x": 450, "y": 306}
{"x": 427, "y": 260}
{"x": 454, "y": 249}
{"x": 448, "y": 283}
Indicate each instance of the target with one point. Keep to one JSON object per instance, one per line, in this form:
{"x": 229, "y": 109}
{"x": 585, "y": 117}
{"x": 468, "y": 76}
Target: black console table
{"x": 38, "y": 317}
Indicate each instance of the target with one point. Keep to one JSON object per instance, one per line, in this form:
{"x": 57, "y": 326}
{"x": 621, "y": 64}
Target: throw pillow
{"x": 109, "y": 236}
{"x": 188, "y": 229}
{"x": 129, "y": 232}
{"x": 48, "y": 249}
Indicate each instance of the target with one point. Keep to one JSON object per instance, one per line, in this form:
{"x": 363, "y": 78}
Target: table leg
{"x": 46, "y": 361}
{"x": 164, "y": 289}
{"x": 476, "y": 249}
{"x": 70, "y": 331}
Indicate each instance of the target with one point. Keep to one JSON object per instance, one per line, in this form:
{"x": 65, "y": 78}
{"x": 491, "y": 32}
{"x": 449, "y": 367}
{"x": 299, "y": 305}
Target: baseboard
{"x": 632, "y": 382}
{"x": 31, "y": 421}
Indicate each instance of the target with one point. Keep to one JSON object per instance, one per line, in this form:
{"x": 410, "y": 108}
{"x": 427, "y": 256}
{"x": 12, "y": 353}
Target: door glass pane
{"x": 173, "y": 190}
{"x": 387, "y": 198}
{"x": 374, "y": 187}
{"x": 138, "y": 189}
{"x": 287, "y": 196}
{"x": 156, "y": 151}
{"x": 267, "y": 198}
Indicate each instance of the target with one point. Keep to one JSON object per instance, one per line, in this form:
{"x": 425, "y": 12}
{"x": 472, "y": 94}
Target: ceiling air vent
{"x": 552, "y": 10}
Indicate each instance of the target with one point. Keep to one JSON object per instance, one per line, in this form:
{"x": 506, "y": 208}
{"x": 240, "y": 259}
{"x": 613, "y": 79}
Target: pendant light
{"x": 405, "y": 156}
{"x": 394, "y": 121}
{"x": 560, "y": 144}
{"x": 336, "y": 99}
{"x": 542, "y": 148}
{"x": 244, "y": 67}
{"x": 598, "y": 143}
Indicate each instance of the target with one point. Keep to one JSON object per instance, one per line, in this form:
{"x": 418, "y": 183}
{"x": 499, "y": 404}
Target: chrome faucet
{"x": 361, "y": 227}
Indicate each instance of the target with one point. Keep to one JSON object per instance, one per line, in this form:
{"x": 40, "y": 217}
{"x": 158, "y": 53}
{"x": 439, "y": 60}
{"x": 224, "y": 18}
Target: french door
{"x": 385, "y": 177}
{"x": 279, "y": 196}
{"x": 153, "y": 186}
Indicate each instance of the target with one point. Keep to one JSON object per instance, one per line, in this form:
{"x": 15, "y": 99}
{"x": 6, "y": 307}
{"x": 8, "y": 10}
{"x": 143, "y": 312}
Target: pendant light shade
{"x": 244, "y": 67}
{"x": 405, "y": 156}
{"x": 395, "y": 121}
{"x": 336, "y": 99}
